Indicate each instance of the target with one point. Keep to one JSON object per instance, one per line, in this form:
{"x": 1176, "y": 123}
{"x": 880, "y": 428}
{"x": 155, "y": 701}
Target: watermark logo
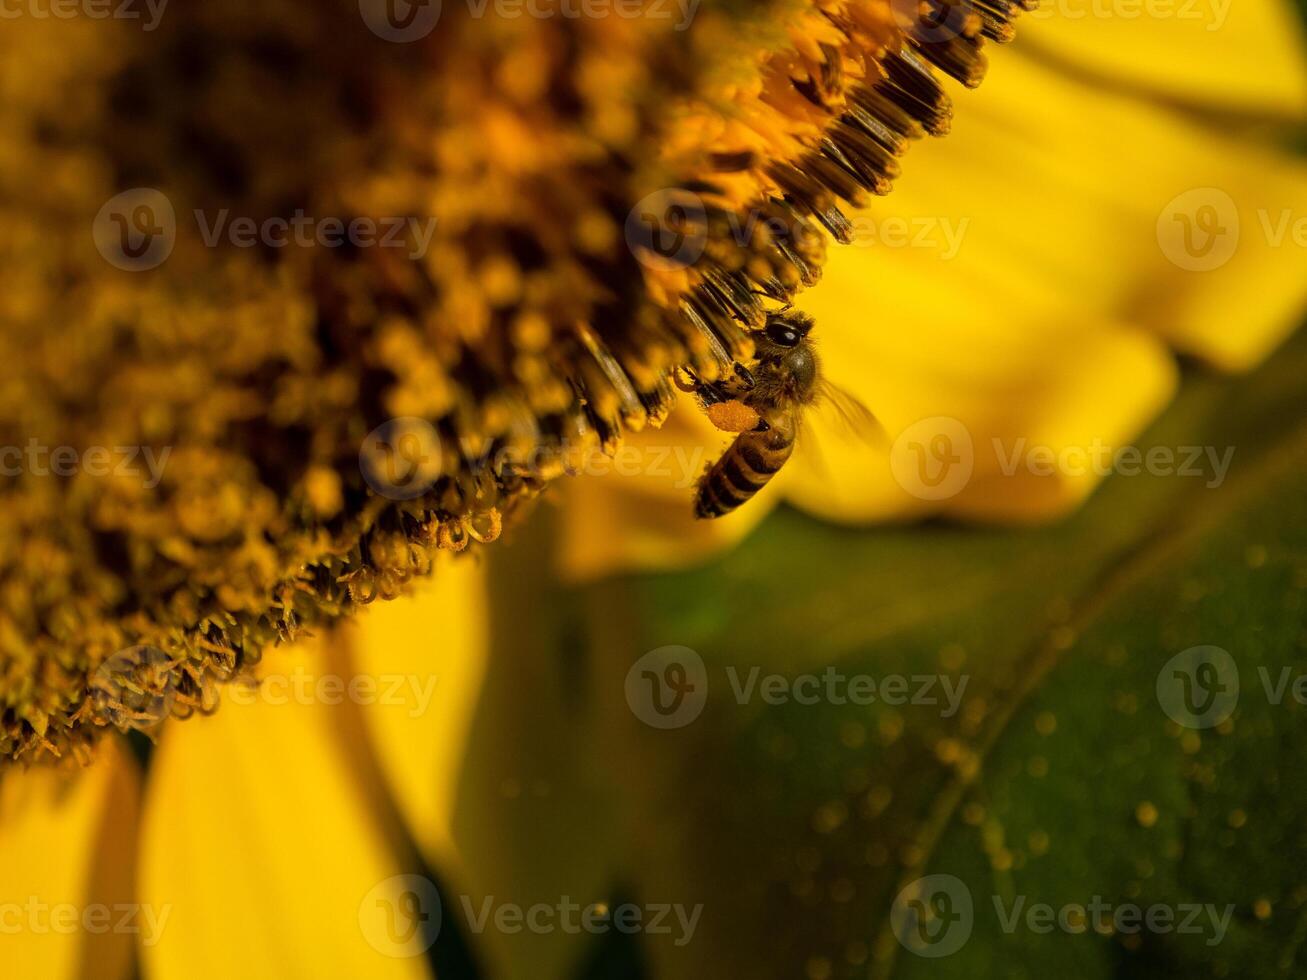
{"x": 1285, "y": 683}
{"x": 401, "y": 458}
{"x": 40, "y": 918}
{"x": 134, "y": 689}
{"x": 834, "y": 687}
{"x": 934, "y": 233}
{"x": 1210, "y": 14}
{"x": 148, "y": 12}
{"x": 302, "y": 230}
{"x": 936, "y": 458}
{"x": 1103, "y": 918}
{"x": 668, "y": 229}
{"x": 405, "y": 21}
{"x": 122, "y": 462}
{"x": 400, "y": 21}
{"x": 411, "y": 692}
{"x": 136, "y": 230}
{"x": 1199, "y": 687}
{"x": 401, "y": 916}
{"x": 933, "y": 459}
{"x": 930, "y": 23}
{"x": 1100, "y": 459}
{"x": 597, "y": 918}
{"x": 667, "y": 687}
{"x": 933, "y": 916}
{"x": 1199, "y": 229}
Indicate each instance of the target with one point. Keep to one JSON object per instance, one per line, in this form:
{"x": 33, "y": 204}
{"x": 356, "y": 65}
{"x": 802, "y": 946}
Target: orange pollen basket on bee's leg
{"x": 733, "y": 416}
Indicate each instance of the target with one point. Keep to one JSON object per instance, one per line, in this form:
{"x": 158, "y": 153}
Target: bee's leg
{"x": 745, "y": 376}
{"x": 689, "y": 384}
{"x": 708, "y": 392}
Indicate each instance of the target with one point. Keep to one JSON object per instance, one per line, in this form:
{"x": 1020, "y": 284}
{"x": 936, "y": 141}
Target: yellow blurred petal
{"x": 1062, "y": 201}
{"x": 1246, "y": 55}
{"x": 1086, "y": 195}
{"x": 266, "y": 839}
{"x": 1017, "y": 287}
{"x": 67, "y": 847}
{"x": 428, "y": 655}
{"x": 636, "y": 512}
{"x": 996, "y": 397}
{"x": 1236, "y": 285}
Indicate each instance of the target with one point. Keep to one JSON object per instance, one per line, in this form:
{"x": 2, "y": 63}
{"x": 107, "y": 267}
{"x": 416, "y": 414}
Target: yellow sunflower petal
{"x": 1016, "y": 286}
{"x": 67, "y": 843}
{"x": 636, "y": 512}
{"x": 1018, "y": 392}
{"x": 1245, "y": 55}
{"x": 1125, "y": 207}
{"x": 263, "y": 836}
{"x": 426, "y": 655}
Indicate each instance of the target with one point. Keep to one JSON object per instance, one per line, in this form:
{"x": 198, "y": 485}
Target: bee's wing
{"x": 855, "y": 421}
{"x": 856, "y": 417}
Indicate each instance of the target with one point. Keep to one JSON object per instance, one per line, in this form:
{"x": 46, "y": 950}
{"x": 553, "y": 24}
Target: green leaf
{"x": 800, "y": 824}
{"x": 1059, "y": 779}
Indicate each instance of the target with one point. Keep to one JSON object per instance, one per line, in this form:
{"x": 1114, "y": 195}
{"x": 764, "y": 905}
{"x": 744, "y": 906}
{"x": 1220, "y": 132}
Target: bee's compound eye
{"x": 783, "y": 334}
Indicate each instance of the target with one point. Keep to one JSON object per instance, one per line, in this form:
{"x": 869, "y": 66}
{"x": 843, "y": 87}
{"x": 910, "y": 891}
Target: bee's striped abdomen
{"x": 746, "y": 467}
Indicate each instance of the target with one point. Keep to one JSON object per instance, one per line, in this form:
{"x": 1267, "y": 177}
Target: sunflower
{"x": 358, "y": 289}
{"x": 1043, "y": 299}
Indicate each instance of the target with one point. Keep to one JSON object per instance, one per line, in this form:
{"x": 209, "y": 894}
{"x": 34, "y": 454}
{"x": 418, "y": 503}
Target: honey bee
{"x": 765, "y": 406}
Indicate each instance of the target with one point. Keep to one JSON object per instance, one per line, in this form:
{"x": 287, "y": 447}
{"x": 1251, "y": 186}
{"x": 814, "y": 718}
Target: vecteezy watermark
{"x": 406, "y": 21}
{"x": 1200, "y": 687}
{"x": 1284, "y": 683}
{"x": 148, "y": 12}
{"x": 936, "y": 458}
{"x": 305, "y": 231}
{"x": 137, "y": 230}
{"x": 300, "y": 686}
{"x": 669, "y": 229}
{"x": 1204, "y": 462}
{"x": 668, "y": 688}
{"x": 36, "y": 917}
{"x": 934, "y": 916}
{"x": 134, "y": 689}
{"x": 833, "y": 686}
{"x": 1200, "y": 230}
{"x": 934, "y": 233}
{"x": 1211, "y": 14}
{"x": 400, "y": 917}
{"x": 933, "y": 23}
{"x": 38, "y": 459}
{"x": 680, "y": 12}
{"x": 572, "y": 918}
{"x": 400, "y": 21}
{"x": 1106, "y": 918}
{"x": 402, "y": 459}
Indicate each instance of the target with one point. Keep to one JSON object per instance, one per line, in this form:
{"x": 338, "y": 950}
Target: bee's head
{"x": 787, "y": 330}
{"x": 785, "y": 349}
